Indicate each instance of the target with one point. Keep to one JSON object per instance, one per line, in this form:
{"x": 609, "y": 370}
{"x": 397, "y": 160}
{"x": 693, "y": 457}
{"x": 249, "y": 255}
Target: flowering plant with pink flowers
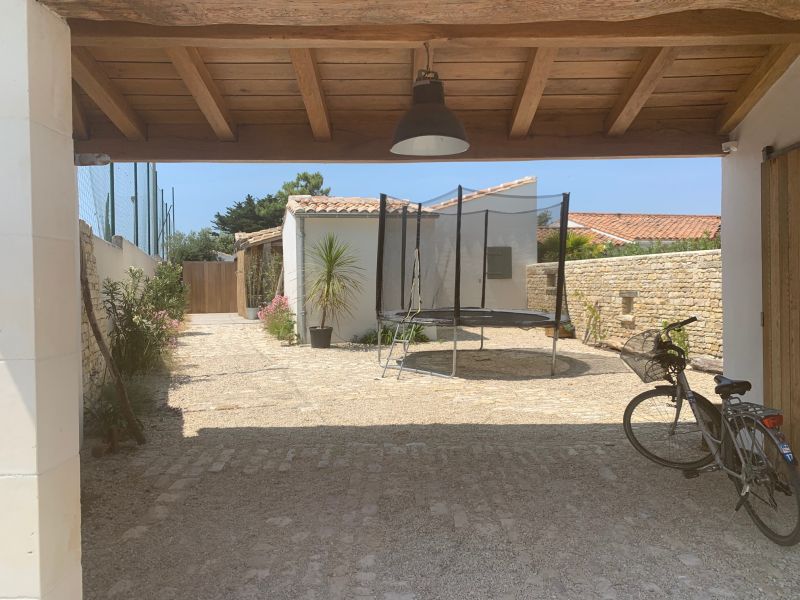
{"x": 278, "y": 318}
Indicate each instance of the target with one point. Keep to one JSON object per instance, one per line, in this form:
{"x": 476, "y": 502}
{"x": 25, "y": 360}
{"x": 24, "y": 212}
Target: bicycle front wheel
{"x": 773, "y": 501}
{"x": 669, "y": 435}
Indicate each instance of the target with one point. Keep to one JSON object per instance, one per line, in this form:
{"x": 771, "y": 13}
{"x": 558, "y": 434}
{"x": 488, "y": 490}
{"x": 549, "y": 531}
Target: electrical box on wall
{"x": 498, "y": 262}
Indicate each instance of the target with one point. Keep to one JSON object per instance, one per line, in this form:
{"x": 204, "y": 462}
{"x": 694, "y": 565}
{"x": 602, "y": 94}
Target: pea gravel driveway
{"x": 278, "y": 472}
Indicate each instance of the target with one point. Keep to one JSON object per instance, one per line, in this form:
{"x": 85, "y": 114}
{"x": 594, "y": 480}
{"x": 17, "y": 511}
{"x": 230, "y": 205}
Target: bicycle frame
{"x": 683, "y": 390}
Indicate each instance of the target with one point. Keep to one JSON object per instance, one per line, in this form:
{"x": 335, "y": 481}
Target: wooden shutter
{"x": 780, "y": 244}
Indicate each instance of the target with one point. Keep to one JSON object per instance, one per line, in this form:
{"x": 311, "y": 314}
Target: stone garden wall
{"x": 632, "y": 293}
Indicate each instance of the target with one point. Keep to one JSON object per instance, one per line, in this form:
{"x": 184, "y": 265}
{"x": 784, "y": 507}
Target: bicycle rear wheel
{"x": 673, "y": 440}
{"x": 774, "y": 499}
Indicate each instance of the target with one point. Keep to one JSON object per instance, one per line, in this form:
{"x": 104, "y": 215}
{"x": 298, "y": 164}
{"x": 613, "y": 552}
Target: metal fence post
{"x": 135, "y": 205}
{"x": 112, "y": 200}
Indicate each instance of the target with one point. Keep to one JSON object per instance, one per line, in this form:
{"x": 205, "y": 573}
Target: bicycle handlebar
{"x": 679, "y": 324}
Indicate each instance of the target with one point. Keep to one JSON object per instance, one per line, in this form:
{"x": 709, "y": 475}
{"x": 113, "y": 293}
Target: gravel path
{"x": 285, "y": 472}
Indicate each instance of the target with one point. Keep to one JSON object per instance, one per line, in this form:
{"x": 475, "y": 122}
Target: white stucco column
{"x": 40, "y": 383}
{"x": 774, "y": 122}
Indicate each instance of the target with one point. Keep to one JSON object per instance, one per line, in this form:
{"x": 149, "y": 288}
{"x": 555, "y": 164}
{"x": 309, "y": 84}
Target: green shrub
{"x": 141, "y": 329}
{"x": 166, "y": 290}
{"x": 680, "y": 337}
{"x": 414, "y": 334}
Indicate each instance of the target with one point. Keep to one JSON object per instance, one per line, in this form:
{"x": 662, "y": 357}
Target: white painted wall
{"x": 517, "y": 231}
{"x": 40, "y": 341}
{"x": 774, "y": 121}
{"x": 361, "y": 234}
{"x": 290, "y": 266}
{"x": 114, "y": 259}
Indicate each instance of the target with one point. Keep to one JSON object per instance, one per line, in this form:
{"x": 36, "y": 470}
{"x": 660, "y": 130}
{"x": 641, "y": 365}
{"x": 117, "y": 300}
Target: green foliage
{"x": 252, "y": 214}
{"x": 579, "y": 246}
{"x": 544, "y": 218}
{"x": 680, "y": 337}
{"x": 167, "y": 292}
{"x": 261, "y": 279}
{"x": 198, "y": 245}
{"x": 335, "y": 277}
{"x": 278, "y": 319}
{"x": 104, "y": 418}
{"x": 414, "y": 334}
{"x": 141, "y": 328}
{"x": 595, "y": 331}
{"x": 705, "y": 242}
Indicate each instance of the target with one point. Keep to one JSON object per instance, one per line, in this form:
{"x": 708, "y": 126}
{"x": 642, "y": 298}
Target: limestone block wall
{"x": 634, "y": 293}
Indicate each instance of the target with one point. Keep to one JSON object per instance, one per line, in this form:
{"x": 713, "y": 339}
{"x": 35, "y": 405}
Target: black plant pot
{"x": 320, "y": 336}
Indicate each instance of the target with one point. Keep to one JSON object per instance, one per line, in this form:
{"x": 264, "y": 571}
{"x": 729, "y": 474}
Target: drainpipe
{"x": 301, "y": 278}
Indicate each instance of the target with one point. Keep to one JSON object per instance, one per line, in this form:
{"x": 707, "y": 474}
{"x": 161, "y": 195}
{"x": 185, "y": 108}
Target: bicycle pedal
{"x": 691, "y": 474}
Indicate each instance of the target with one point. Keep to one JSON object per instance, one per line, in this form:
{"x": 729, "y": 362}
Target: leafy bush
{"x": 680, "y": 337}
{"x": 141, "y": 329}
{"x": 579, "y": 246}
{"x": 195, "y": 245}
{"x": 414, "y": 334}
{"x": 705, "y": 242}
{"x": 104, "y": 418}
{"x": 261, "y": 281}
{"x": 278, "y": 319}
{"x": 166, "y": 290}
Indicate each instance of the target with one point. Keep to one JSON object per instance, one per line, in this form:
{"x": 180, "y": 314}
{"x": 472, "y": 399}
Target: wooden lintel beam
{"x": 652, "y": 67}
{"x": 530, "y": 92}
{"x": 190, "y": 66}
{"x": 769, "y": 70}
{"x": 305, "y": 67}
{"x": 697, "y": 28}
{"x": 80, "y": 126}
{"x": 90, "y": 76}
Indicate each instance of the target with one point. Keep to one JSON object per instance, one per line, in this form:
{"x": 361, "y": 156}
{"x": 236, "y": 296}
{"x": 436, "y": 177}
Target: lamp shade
{"x": 429, "y": 128}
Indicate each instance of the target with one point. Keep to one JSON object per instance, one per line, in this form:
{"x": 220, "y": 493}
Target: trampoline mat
{"x": 476, "y": 317}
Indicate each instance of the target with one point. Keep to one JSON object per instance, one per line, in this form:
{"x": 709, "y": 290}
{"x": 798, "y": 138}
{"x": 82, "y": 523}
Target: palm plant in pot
{"x": 335, "y": 279}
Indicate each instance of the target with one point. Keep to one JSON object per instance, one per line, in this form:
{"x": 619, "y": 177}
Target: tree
{"x": 252, "y": 214}
{"x": 579, "y": 246}
{"x": 196, "y": 245}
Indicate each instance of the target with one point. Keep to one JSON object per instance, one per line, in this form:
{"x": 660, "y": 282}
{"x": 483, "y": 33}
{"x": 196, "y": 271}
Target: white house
{"x": 355, "y": 222}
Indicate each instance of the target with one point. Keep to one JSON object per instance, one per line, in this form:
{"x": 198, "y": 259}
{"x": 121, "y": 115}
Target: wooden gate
{"x": 780, "y": 242}
{"x": 212, "y": 286}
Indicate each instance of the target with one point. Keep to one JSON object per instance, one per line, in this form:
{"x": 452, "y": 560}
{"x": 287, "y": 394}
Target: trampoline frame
{"x": 409, "y": 318}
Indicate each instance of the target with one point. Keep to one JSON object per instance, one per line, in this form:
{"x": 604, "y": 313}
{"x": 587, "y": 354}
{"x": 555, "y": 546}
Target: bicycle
{"x": 742, "y": 439}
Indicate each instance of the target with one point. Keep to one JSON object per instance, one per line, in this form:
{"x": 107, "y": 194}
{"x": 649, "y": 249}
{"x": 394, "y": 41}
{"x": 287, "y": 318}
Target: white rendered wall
{"x": 361, "y": 234}
{"x": 775, "y": 121}
{"x": 114, "y": 260}
{"x": 504, "y": 230}
{"x": 40, "y": 345}
{"x": 290, "y": 246}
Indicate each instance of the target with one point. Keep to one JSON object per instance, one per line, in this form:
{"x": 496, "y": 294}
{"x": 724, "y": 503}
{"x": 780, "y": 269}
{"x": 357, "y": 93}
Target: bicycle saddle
{"x": 729, "y": 387}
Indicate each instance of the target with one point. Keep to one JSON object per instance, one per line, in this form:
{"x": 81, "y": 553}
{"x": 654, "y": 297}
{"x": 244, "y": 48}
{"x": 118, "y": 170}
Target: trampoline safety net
{"x": 461, "y": 259}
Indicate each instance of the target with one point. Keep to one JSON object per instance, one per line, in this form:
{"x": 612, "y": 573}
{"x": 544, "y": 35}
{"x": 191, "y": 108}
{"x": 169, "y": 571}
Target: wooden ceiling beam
{"x": 652, "y": 67}
{"x": 80, "y": 126}
{"x": 698, "y": 28}
{"x": 769, "y": 70}
{"x": 90, "y": 77}
{"x": 530, "y": 91}
{"x": 190, "y": 66}
{"x": 353, "y": 12}
{"x": 305, "y": 67}
{"x": 368, "y": 142}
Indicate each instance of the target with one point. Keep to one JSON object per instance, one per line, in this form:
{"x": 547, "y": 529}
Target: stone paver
{"x": 297, "y": 473}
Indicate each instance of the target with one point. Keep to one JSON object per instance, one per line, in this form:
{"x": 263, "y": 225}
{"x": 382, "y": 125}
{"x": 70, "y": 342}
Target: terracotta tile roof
{"x": 503, "y": 187}
{"x": 638, "y": 227}
{"x": 254, "y": 238}
{"x": 342, "y": 205}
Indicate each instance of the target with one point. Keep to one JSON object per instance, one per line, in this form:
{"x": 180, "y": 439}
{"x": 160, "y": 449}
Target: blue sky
{"x": 635, "y": 185}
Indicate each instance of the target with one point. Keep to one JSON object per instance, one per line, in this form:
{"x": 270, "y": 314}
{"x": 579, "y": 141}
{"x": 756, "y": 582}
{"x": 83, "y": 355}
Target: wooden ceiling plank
{"x": 530, "y": 92}
{"x": 679, "y": 29}
{"x": 191, "y": 68}
{"x": 80, "y": 126}
{"x": 651, "y": 68}
{"x": 90, "y": 77}
{"x": 311, "y": 89}
{"x": 778, "y": 59}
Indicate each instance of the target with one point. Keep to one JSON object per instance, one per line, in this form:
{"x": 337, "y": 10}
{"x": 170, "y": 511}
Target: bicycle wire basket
{"x": 642, "y": 353}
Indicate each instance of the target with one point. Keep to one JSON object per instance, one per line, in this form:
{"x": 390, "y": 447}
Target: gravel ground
{"x": 286, "y": 472}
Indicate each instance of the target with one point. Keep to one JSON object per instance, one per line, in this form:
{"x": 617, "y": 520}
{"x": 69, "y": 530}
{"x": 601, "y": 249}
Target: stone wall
{"x": 634, "y": 293}
{"x": 94, "y": 366}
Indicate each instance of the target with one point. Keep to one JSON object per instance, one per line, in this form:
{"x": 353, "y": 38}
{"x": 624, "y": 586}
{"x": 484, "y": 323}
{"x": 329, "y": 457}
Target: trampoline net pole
{"x": 560, "y": 285}
{"x": 418, "y": 256}
{"x": 485, "y": 245}
{"x": 457, "y": 278}
{"x": 379, "y": 270}
{"x": 403, "y": 260}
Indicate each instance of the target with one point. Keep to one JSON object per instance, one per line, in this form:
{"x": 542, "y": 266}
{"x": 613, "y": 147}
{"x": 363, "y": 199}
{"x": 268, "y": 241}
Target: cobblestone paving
{"x": 288, "y": 472}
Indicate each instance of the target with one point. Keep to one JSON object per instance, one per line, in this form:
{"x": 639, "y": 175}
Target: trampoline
{"x": 460, "y": 260}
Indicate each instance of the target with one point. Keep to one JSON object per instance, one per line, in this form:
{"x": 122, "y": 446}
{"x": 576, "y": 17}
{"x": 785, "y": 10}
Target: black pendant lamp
{"x": 429, "y": 128}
